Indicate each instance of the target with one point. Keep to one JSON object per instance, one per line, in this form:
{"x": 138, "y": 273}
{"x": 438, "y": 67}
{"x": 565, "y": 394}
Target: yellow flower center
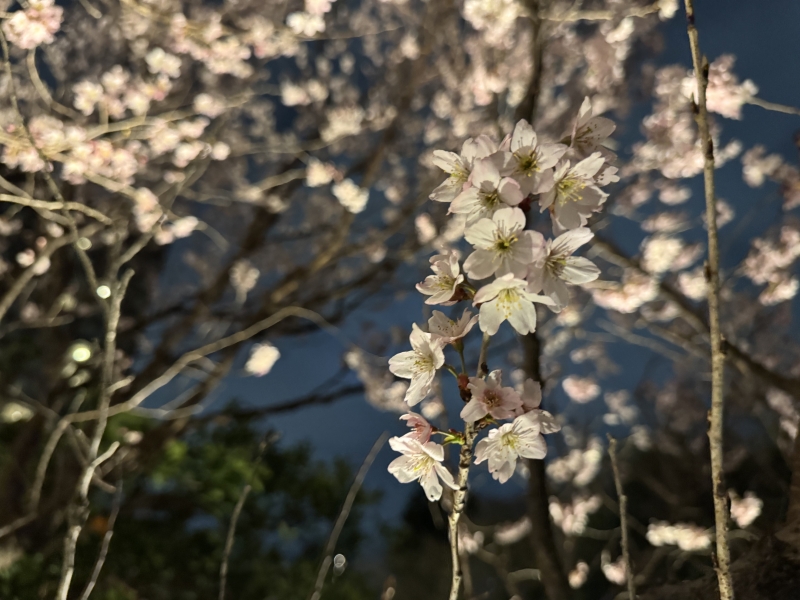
{"x": 569, "y": 189}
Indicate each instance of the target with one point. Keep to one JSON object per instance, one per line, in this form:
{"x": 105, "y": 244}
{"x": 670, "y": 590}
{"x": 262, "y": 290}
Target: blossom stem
{"x": 459, "y": 502}
{"x": 483, "y": 369}
{"x": 723, "y": 558}
{"x": 451, "y": 369}
{"x": 460, "y": 349}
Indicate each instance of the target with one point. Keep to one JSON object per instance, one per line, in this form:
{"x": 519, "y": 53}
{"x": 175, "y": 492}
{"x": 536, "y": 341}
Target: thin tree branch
{"x": 101, "y": 557}
{"x": 789, "y": 110}
{"x": 715, "y": 431}
{"x": 623, "y": 518}
{"x": 330, "y": 546}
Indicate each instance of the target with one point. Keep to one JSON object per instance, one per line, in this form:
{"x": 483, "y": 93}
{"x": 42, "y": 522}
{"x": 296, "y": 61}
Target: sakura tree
{"x": 191, "y": 189}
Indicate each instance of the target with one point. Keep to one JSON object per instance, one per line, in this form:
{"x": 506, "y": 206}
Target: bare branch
{"x": 623, "y": 518}
{"x": 715, "y": 430}
{"x": 344, "y": 513}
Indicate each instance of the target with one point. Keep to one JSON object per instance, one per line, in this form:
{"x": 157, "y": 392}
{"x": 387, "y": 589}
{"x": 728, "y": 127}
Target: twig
{"x": 237, "y": 511}
{"x": 600, "y": 15}
{"x": 101, "y": 557}
{"x": 16, "y": 524}
{"x": 723, "y": 557}
{"x": 623, "y": 518}
{"x": 79, "y": 511}
{"x": 789, "y": 110}
{"x": 195, "y": 355}
{"x": 344, "y": 513}
{"x": 76, "y": 206}
{"x": 223, "y": 569}
{"x": 29, "y": 273}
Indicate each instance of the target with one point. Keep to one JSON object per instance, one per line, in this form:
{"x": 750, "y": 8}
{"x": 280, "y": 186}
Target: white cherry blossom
{"x": 489, "y": 397}
{"x": 448, "y": 330}
{"x": 501, "y": 245}
{"x": 420, "y": 428}
{"x": 489, "y": 192}
{"x": 504, "y": 445}
{"x": 529, "y": 162}
{"x": 442, "y": 285}
{"x": 459, "y": 167}
{"x": 507, "y": 299}
{"x": 558, "y": 268}
{"x": 591, "y": 132}
{"x": 419, "y": 365}
{"x": 423, "y": 463}
{"x": 575, "y": 195}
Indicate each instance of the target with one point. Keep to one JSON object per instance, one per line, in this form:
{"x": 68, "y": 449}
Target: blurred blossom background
{"x": 263, "y": 169}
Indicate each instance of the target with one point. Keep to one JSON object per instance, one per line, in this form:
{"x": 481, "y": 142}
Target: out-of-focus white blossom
{"x": 580, "y": 389}
{"x": 745, "y": 510}
{"x": 577, "y": 577}
{"x": 687, "y": 537}
{"x": 262, "y": 358}
{"x": 351, "y": 195}
{"x": 34, "y": 26}
{"x": 617, "y": 571}
{"x": 572, "y": 518}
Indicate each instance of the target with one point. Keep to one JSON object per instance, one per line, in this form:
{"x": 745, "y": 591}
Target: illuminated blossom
{"x": 529, "y": 162}
{"x": 591, "y": 132}
{"x": 507, "y": 299}
{"x": 490, "y": 192}
{"x": 575, "y": 195}
{"x": 558, "y": 267}
{"x": 501, "y": 245}
{"x": 448, "y": 330}
{"x": 442, "y": 285}
{"x": 423, "y": 463}
{"x": 459, "y": 167}
{"x": 420, "y": 428}
{"x": 504, "y": 445}
{"x": 489, "y": 397}
{"x": 419, "y": 364}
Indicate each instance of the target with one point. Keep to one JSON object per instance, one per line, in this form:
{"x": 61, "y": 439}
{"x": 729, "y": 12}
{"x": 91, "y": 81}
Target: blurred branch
{"x": 789, "y": 110}
{"x": 545, "y": 551}
{"x": 344, "y": 513}
{"x": 623, "y": 518}
{"x": 101, "y": 557}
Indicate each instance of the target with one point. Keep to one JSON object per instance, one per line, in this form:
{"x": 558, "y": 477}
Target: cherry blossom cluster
{"x": 492, "y": 189}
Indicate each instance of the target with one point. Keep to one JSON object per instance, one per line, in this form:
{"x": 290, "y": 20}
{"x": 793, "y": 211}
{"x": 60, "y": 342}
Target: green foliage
{"x": 171, "y": 531}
